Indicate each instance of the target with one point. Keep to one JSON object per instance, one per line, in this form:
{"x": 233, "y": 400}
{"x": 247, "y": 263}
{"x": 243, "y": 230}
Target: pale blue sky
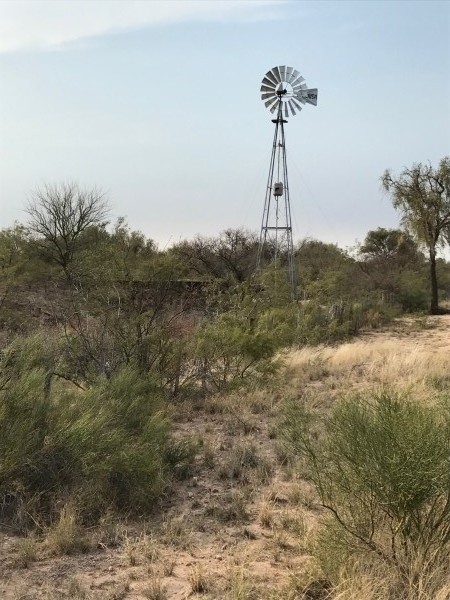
{"x": 159, "y": 105}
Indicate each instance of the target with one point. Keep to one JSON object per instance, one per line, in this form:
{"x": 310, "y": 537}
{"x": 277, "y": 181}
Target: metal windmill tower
{"x": 283, "y": 91}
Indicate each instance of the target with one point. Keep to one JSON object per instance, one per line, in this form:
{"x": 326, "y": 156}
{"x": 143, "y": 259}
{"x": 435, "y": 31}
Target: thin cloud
{"x": 43, "y": 24}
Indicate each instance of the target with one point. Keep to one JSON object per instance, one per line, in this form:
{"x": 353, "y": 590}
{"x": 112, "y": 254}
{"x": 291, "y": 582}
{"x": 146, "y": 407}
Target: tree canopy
{"x": 422, "y": 194}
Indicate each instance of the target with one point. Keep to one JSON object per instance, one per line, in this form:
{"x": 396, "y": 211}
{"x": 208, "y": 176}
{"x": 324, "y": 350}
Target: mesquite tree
{"x": 422, "y": 194}
{"x": 59, "y": 214}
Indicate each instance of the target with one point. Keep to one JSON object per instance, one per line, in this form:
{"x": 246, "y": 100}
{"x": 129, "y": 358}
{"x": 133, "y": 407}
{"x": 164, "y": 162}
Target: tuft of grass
{"x": 176, "y": 531}
{"x": 240, "y": 423}
{"x": 239, "y": 585}
{"x": 199, "y": 580}
{"x": 237, "y": 509}
{"x": 155, "y": 589}
{"x": 120, "y": 590}
{"x": 208, "y": 454}
{"x": 143, "y": 547}
{"x": 319, "y": 589}
{"x": 264, "y": 470}
{"x": 27, "y": 551}
{"x": 242, "y": 458}
{"x": 76, "y": 590}
{"x": 150, "y": 548}
{"x": 131, "y": 551}
{"x": 66, "y": 536}
{"x": 110, "y": 534}
{"x": 168, "y": 567}
{"x": 234, "y": 509}
{"x": 280, "y": 541}
{"x": 294, "y": 523}
{"x": 439, "y": 382}
{"x": 397, "y": 363}
{"x": 266, "y": 514}
{"x": 364, "y": 580}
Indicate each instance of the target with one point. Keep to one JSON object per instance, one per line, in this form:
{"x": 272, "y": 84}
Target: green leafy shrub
{"x": 231, "y": 350}
{"x": 105, "y": 447}
{"x": 381, "y": 466}
{"x": 412, "y": 293}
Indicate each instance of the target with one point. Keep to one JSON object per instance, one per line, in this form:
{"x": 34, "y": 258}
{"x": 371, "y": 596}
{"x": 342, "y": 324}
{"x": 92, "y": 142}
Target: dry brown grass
{"x": 199, "y": 580}
{"x": 239, "y": 584}
{"x": 408, "y": 364}
{"x": 27, "y": 551}
{"x": 67, "y": 536}
{"x": 176, "y": 531}
{"x": 155, "y": 589}
{"x": 365, "y": 583}
{"x": 141, "y": 549}
{"x": 266, "y": 514}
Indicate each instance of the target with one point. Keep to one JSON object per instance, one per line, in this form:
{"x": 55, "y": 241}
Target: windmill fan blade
{"x": 269, "y": 75}
{"x": 297, "y": 81}
{"x": 311, "y": 96}
{"x": 276, "y": 72}
{"x": 291, "y": 106}
{"x": 299, "y": 86}
{"x": 289, "y": 71}
{"x": 268, "y": 95}
{"x": 286, "y": 112}
{"x": 271, "y": 84}
{"x": 293, "y": 76}
{"x": 271, "y": 101}
{"x": 274, "y": 107}
{"x": 267, "y": 88}
{"x": 282, "y": 73}
{"x": 297, "y": 91}
{"x": 296, "y": 103}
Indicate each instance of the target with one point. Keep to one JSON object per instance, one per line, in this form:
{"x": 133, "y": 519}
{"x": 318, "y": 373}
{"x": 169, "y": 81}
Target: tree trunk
{"x": 434, "y": 305}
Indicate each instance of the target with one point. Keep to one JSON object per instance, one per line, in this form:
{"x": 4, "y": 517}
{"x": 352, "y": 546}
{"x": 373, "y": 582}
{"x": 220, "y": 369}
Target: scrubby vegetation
{"x": 128, "y": 374}
{"x": 104, "y": 447}
{"x": 380, "y": 466}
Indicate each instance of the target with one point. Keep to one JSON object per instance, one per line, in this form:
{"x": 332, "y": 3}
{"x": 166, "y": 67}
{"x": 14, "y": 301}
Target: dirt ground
{"x": 240, "y": 526}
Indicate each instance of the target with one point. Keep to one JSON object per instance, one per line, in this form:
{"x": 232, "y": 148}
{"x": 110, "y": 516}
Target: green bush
{"x": 105, "y": 447}
{"x": 413, "y": 294}
{"x": 381, "y": 466}
{"x": 117, "y": 437}
{"x": 315, "y": 325}
{"x": 232, "y": 350}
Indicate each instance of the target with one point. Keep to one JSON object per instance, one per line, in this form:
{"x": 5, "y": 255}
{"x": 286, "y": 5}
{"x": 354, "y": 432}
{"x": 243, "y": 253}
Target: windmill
{"x": 284, "y": 92}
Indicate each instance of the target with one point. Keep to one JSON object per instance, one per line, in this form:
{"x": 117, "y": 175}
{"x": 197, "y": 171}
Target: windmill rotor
{"x": 284, "y": 85}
